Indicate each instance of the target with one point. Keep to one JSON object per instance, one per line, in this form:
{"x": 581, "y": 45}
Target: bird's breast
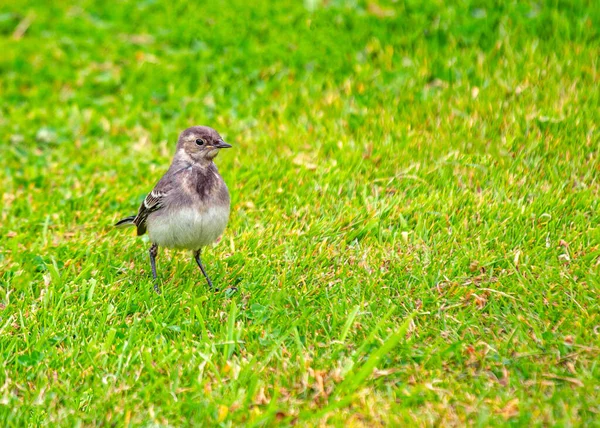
{"x": 187, "y": 227}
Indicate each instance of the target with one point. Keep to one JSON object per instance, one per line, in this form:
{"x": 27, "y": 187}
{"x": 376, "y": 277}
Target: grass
{"x": 415, "y": 227}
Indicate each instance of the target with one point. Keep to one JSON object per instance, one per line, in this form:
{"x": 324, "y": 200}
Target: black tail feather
{"x": 127, "y": 221}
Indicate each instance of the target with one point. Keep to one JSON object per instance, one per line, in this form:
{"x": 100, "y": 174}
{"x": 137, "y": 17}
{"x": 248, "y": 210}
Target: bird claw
{"x": 230, "y": 291}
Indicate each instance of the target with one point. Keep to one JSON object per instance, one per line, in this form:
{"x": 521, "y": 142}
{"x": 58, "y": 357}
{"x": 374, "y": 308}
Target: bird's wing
{"x": 153, "y": 202}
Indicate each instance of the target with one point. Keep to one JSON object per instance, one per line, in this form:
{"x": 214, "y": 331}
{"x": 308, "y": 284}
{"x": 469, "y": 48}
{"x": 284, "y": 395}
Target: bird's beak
{"x": 222, "y": 145}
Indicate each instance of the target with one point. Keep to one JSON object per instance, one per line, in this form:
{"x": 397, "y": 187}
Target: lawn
{"x": 415, "y": 228}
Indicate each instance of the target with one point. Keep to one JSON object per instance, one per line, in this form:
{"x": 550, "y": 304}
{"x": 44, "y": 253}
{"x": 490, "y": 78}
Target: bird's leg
{"x": 199, "y": 262}
{"x": 153, "y": 252}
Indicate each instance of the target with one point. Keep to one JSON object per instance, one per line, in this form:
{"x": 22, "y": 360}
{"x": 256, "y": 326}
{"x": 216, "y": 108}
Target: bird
{"x": 189, "y": 207}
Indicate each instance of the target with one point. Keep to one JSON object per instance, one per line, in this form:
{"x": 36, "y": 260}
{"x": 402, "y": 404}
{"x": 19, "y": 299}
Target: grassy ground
{"x": 415, "y": 227}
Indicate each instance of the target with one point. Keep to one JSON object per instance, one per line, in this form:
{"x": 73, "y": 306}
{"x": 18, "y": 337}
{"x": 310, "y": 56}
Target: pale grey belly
{"x": 187, "y": 228}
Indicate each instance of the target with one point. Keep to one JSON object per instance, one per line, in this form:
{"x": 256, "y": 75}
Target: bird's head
{"x": 201, "y": 143}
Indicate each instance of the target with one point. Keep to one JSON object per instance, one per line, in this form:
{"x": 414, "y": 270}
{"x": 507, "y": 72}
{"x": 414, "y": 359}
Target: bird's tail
{"x": 127, "y": 221}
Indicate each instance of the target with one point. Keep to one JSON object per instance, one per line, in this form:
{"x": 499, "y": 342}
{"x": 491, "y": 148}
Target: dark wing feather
{"x": 155, "y": 199}
{"x": 152, "y": 202}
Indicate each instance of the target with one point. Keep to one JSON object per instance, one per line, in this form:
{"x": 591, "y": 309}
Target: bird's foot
{"x": 230, "y": 291}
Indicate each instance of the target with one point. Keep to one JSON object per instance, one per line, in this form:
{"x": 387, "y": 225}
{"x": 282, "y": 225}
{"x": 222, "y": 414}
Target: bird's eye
{"x": 200, "y": 141}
